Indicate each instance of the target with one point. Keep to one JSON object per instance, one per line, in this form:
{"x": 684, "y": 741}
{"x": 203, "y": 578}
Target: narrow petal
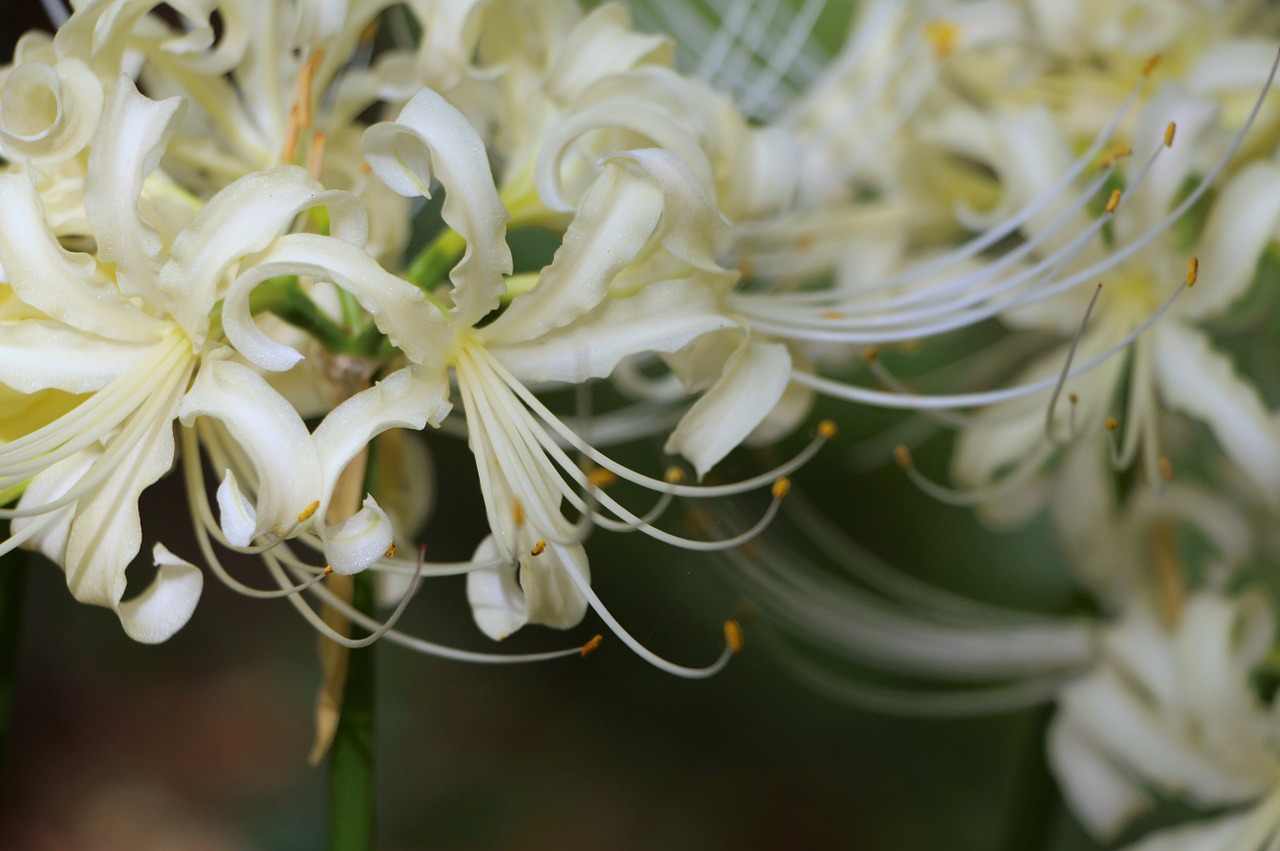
{"x": 272, "y": 436}
{"x": 357, "y": 542}
{"x": 168, "y": 602}
{"x": 58, "y": 283}
{"x": 430, "y": 140}
{"x": 399, "y": 309}
{"x": 754, "y": 380}
{"x": 618, "y": 216}
{"x": 664, "y": 317}
{"x": 48, "y": 113}
{"x": 130, "y": 140}
{"x": 240, "y": 220}
{"x": 1199, "y": 381}
{"x": 497, "y": 601}
{"x": 38, "y": 355}
{"x": 1242, "y": 221}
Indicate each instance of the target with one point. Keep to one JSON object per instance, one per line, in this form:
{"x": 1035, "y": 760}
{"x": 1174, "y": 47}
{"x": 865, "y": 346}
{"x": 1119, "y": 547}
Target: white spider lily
{"x": 1173, "y": 365}
{"x": 634, "y": 274}
{"x": 1171, "y": 709}
{"x": 126, "y": 331}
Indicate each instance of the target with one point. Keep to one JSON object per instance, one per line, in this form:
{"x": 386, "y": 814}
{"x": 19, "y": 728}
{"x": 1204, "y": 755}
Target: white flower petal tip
{"x": 168, "y": 603}
{"x": 536, "y": 588}
{"x": 497, "y": 602}
{"x": 360, "y": 540}
{"x": 236, "y": 514}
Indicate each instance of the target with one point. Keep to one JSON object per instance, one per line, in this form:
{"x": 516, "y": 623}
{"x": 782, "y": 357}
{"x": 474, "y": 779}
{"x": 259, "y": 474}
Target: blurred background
{"x": 202, "y": 743}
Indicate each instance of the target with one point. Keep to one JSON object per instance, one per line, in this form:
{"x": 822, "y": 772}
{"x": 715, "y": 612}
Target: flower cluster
{"x": 223, "y": 245}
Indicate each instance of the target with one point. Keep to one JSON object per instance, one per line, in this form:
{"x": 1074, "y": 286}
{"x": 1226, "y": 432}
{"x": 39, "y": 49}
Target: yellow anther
{"x": 365, "y": 168}
{"x": 591, "y": 645}
{"x": 1113, "y": 201}
{"x": 517, "y": 512}
{"x": 746, "y": 268}
{"x": 327, "y": 570}
{"x": 391, "y": 551}
{"x": 733, "y": 635}
{"x": 599, "y": 477}
{"x": 1169, "y": 131}
{"x": 538, "y": 548}
{"x": 902, "y": 455}
{"x": 781, "y": 488}
{"x": 673, "y": 476}
{"x": 943, "y": 36}
{"x": 805, "y": 241}
{"x": 1166, "y": 468}
{"x": 1073, "y": 398}
{"x": 307, "y": 513}
{"x": 1150, "y": 65}
{"x": 834, "y": 314}
{"x": 1110, "y": 424}
{"x": 827, "y": 429}
{"x": 870, "y": 354}
{"x": 1193, "y": 271}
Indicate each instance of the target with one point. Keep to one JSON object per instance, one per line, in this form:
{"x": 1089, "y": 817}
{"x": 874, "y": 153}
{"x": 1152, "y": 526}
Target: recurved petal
{"x": 497, "y": 601}
{"x": 664, "y": 317}
{"x": 58, "y": 283}
{"x": 1242, "y": 221}
{"x": 167, "y": 603}
{"x": 616, "y": 220}
{"x": 128, "y": 145}
{"x": 753, "y": 382}
{"x": 430, "y": 140}
{"x": 408, "y": 398}
{"x": 241, "y": 220}
{"x": 1199, "y": 381}
{"x": 400, "y": 309}
{"x": 357, "y": 542}
{"x": 48, "y": 112}
{"x": 551, "y": 596}
{"x": 1104, "y": 797}
{"x": 272, "y": 437}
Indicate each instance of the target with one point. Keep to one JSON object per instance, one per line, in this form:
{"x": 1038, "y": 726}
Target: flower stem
{"x": 13, "y": 580}
{"x": 352, "y": 795}
{"x": 434, "y": 261}
{"x": 351, "y": 768}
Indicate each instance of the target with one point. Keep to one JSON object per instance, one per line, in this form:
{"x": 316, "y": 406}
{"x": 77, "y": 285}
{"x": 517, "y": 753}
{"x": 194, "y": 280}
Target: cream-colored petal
{"x": 240, "y": 220}
{"x": 754, "y": 379}
{"x": 1199, "y": 381}
{"x": 664, "y": 317}
{"x": 431, "y": 139}
{"x": 167, "y": 603}
{"x": 271, "y": 436}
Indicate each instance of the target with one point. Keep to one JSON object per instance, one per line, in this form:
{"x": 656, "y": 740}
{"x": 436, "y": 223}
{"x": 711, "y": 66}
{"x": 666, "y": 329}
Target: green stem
{"x": 13, "y": 580}
{"x": 352, "y": 797}
{"x": 434, "y": 261}
{"x": 351, "y": 775}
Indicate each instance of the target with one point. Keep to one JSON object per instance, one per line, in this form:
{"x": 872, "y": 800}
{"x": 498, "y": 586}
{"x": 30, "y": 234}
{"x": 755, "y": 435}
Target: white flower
{"x": 126, "y": 330}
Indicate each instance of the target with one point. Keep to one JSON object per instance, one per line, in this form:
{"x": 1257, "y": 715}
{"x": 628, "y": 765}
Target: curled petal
{"x": 753, "y": 382}
{"x": 48, "y": 112}
{"x": 664, "y": 317}
{"x": 357, "y": 542}
{"x": 273, "y": 437}
{"x": 399, "y": 309}
{"x": 128, "y": 146}
{"x": 60, "y": 284}
{"x": 240, "y": 220}
{"x": 432, "y": 139}
{"x": 538, "y": 591}
{"x": 618, "y": 216}
{"x": 167, "y": 603}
